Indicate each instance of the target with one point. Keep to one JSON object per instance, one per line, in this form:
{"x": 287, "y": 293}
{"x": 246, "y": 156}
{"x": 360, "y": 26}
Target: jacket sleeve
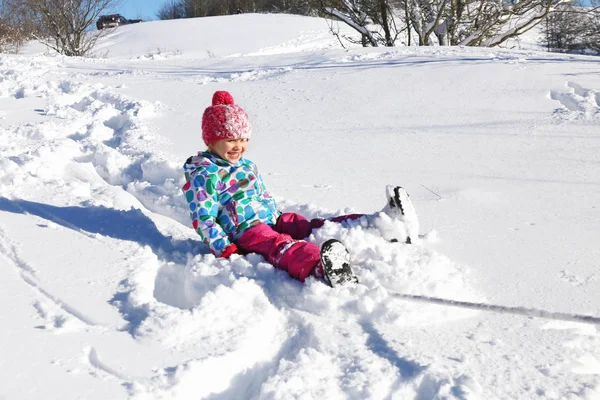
{"x": 201, "y": 195}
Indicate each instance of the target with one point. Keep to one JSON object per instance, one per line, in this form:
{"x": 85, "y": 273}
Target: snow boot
{"x": 335, "y": 260}
{"x": 400, "y": 207}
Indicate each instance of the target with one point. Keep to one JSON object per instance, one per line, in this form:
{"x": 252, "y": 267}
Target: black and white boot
{"x": 400, "y": 207}
{"x": 335, "y": 260}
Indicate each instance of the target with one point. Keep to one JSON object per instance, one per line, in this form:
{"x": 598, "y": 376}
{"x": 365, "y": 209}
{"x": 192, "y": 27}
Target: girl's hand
{"x": 229, "y": 250}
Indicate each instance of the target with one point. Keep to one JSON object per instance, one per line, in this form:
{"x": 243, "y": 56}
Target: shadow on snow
{"x": 130, "y": 225}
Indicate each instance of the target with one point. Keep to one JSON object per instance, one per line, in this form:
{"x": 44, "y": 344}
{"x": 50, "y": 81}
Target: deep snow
{"x": 107, "y": 292}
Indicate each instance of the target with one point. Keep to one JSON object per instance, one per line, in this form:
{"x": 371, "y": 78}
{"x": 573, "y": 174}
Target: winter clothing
{"x": 335, "y": 260}
{"x": 400, "y": 207}
{"x": 225, "y": 199}
{"x": 229, "y": 250}
{"x": 282, "y": 244}
{"x": 233, "y": 213}
{"x": 224, "y": 120}
{"x": 298, "y": 257}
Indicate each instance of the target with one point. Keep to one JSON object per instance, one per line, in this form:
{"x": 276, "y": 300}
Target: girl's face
{"x": 229, "y": 149}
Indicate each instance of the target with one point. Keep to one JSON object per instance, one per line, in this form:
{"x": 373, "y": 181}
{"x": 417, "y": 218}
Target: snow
{"x": 107, "y": 292}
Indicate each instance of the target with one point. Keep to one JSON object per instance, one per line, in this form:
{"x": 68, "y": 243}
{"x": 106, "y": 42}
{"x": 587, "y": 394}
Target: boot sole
{"x": 336, "y": 263}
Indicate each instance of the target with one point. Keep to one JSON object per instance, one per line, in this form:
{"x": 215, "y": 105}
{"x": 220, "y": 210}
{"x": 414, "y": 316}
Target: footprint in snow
{"x": 577, "y": 103}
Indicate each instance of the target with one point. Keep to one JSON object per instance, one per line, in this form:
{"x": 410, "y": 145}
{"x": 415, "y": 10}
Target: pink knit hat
{"x": 224, "y": 120}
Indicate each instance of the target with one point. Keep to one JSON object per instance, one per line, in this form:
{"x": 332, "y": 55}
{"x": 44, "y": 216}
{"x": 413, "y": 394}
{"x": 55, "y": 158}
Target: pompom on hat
{"x": 224, "y": 120}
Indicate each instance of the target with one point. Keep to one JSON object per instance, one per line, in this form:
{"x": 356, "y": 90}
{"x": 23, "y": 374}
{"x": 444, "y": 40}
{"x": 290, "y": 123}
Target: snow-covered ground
{"x": 107, "y": 293}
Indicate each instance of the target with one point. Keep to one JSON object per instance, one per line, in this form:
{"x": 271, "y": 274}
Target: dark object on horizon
{"x": 114, "y": 20}
{"x": 238, "y": 11}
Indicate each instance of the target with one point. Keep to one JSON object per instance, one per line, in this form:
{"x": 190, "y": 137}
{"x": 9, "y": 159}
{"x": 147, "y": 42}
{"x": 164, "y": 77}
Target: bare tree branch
{"x": 64, "y": 24}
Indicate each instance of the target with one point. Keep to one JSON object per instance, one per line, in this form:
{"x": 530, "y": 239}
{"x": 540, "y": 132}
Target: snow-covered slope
{"x": 107, "y": 293}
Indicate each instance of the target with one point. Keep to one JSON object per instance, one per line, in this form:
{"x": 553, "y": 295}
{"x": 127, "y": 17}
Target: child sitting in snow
{"x": 232, "y": 211}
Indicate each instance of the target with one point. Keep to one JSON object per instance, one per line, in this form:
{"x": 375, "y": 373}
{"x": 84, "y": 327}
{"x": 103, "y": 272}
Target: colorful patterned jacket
{"x": 225, "y": 199}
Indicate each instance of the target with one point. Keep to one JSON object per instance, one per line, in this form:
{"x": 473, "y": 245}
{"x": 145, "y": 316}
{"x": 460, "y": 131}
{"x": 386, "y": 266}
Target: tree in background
{"x": 594, "y": 30}
{"x": 354, "y": 15}
{"x": 492, "y": 23}
{"x": 431, "y": 22}
{"x": 442, "y": 22}
{"x": 209, "y": 8}
{"x": 374, "y": 20}
{"x": 572, "y": 29}
{"x": 561, "y": 29}
{"x": 62, "y": 24}
{"x": 171, "y": 9}
{"x": 16, "y": 26}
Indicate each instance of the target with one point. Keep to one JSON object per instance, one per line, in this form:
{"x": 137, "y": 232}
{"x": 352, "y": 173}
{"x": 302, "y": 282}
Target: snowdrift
{"x": 109, "y": 293}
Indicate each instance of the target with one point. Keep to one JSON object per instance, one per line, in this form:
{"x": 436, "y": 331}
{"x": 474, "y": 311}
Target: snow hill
{"x": 107, "y": 292}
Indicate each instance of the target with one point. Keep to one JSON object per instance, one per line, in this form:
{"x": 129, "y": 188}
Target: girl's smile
{"x": 231, "y": 150}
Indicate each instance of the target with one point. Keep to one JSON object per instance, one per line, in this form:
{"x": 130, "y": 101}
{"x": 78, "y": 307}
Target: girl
{"x": 232, "y": 211}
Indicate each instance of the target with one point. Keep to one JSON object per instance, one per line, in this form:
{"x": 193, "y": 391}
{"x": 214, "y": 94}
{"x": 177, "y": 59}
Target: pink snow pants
{"x": 282, "y": 244}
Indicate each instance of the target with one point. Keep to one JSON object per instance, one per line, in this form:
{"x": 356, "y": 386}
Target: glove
{"x": 229, "y": 250}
